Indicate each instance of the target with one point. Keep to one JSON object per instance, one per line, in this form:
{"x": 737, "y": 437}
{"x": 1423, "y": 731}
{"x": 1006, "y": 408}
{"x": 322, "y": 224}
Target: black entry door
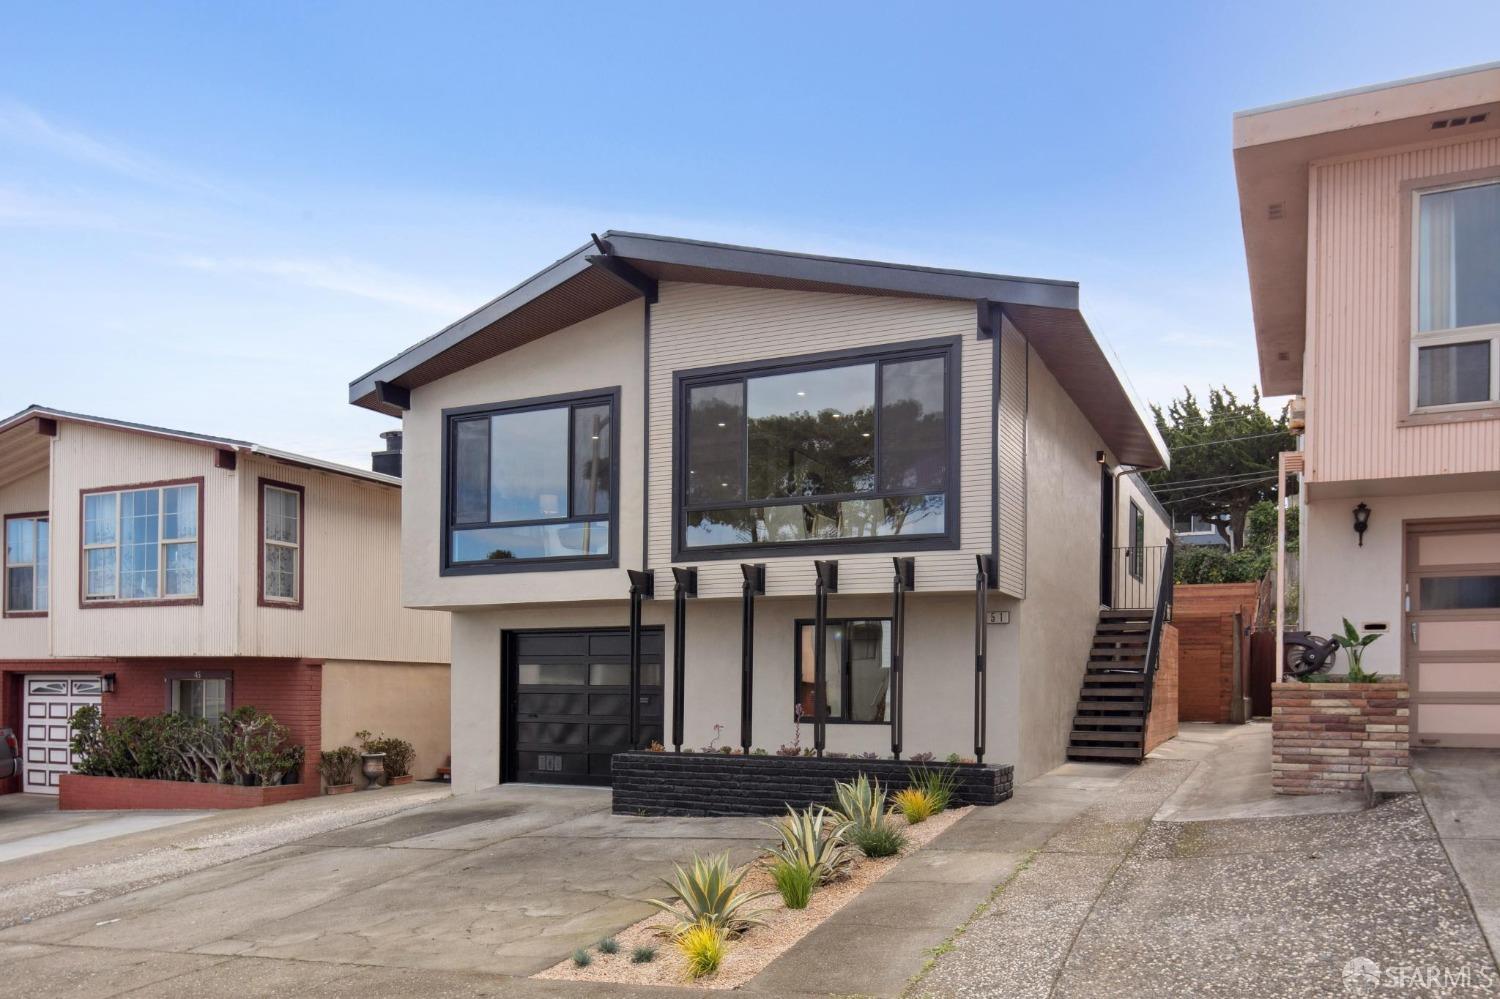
{"x": 569, "y": 702}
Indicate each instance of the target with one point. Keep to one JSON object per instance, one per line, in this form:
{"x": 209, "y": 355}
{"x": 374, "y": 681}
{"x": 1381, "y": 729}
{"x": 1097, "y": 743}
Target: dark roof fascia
{"x": 900, "y": 279}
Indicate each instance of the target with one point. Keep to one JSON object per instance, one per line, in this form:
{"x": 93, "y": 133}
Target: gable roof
{"x": 23, "y": 453}
{"x": 624, "y": 266}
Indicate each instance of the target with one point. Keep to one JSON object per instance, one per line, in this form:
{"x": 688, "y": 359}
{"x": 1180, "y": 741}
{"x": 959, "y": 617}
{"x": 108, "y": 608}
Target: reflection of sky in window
{"x": 529, "y": 470}
{"x": 919, "y": 381}
{"x": 844, "y": 390}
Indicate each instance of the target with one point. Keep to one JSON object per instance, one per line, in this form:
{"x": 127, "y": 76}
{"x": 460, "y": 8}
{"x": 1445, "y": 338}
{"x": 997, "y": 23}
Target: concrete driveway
{"x": 32, "y": 823}
{"x": 503, "y": 882}
{"x": 1461, "y": 788}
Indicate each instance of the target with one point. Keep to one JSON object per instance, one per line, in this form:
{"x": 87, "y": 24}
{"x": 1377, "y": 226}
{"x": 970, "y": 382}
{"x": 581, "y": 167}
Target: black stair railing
{"x": 1135, "y": 576}
{"x": 1161, "y": 613}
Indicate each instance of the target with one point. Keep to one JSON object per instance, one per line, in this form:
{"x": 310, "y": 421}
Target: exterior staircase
{"x": 1110, "y": 723}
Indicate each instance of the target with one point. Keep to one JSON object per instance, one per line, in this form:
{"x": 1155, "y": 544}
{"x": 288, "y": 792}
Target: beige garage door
{"x": 1453, "y": 632}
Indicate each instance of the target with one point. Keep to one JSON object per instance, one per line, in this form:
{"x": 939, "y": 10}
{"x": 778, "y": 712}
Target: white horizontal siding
{"x": 695, "y": 325}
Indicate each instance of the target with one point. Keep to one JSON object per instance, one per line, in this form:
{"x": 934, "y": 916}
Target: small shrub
{"x": 915, "y": 804}
{"x": 939, "y": 784}
{"x": 883, "y": 840}
{"x": 398, "y": 752}
{"x": 954, "y": 758}
{"x": 791, "y": 749}
{"x": 795, "y": 882}
{"x": 922, "y": 757}
{"x": 708, "y": 893}
{"x": 582, "y": 958}
{"x": 609, "y": 945}
{"x": 655, "y": 747}
{"x": 869, "y": 756}
{"x": 861, "y": 801}
{"x": 338, "y": 765}
{"x": 644, "y": 954}
{"x": 757, "y": 751}
{"x": 811, "y": 841}
{"x": 703, "y": 946}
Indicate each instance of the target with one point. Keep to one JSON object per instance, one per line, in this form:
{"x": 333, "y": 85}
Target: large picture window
{"x": 532, "y": 484}
{"x": 858, "y": 670}
{"x": 141, "y": 543}
{"x": 838, "y": 452}
{"x": 1455, "y": 345}
{"x": 27, "y": 556}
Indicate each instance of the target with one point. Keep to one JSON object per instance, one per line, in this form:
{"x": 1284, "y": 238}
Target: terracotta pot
{"x": 403, "y": 779}
{"x": 339, "y": 788}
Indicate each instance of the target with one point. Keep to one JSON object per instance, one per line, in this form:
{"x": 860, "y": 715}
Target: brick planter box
{"x": 1326, "y": 736}
{"x": 79, "y": 792}
{"x": 715, "y": 784}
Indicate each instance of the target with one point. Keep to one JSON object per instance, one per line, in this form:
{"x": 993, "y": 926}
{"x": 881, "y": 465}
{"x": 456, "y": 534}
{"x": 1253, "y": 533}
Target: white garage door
{"x": 1453, "y": 633}
{"x": 51, "y": 699}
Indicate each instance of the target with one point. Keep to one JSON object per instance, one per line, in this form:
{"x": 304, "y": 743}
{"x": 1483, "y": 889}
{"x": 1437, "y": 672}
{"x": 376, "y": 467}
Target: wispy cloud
{"x": 26, "y": 126}
{"x": 344, "y": 276}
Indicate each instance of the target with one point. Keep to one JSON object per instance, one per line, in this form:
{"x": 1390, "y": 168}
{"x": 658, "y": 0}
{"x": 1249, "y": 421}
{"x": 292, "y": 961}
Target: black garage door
{"x": 569, "y": 702}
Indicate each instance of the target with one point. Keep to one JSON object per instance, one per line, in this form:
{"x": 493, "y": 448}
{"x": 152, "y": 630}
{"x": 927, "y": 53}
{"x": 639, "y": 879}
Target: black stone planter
{"x": 715, "y": 784}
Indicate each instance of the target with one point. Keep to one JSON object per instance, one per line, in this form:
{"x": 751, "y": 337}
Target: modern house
{"x": 653, "y": 473}
{"x": 151, "y": 570}
{"x": 1372, "y": 232}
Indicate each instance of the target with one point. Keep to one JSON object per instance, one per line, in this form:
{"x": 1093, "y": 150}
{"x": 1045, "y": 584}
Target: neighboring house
{"x": 1372, "y": 233}
{"x": 151, "y": 570}
{"x": 648, "y": 404}
{"x": 1194, "y": 530}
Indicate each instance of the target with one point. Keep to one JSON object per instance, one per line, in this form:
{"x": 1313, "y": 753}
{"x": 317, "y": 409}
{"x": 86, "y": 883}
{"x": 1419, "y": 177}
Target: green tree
{"x": 1223, "y": 458}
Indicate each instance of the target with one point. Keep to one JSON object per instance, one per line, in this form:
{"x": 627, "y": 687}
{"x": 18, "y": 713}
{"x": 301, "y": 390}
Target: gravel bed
{"x": 759, "y": 946}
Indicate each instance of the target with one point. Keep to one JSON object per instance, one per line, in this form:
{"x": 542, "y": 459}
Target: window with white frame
{"x": 141, "y": 544}
{"x": 205, "y": 697}
{"x": 1455, "y": 344}
{"x": 281, "y": 544}
{"x": 27, "y": 555}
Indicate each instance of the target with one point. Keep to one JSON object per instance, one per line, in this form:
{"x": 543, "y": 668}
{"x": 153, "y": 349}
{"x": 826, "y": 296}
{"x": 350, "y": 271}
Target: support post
{"x": 642, "y": 585}
{"x": 754, "y": 584}
{"x": 905, "y": 579}
{"x": 685, "y": 584}
{"x": 828, "y": 582}
{"x": 981, "y": 650}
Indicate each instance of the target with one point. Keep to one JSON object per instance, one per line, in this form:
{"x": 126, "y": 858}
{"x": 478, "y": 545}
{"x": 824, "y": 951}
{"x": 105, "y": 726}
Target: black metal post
{"x": 642, "y": 585}
{"x": 905, "y": 579}
{"x": 755, "y": 583}
{"x": 685, "y": 584}
{"x": 981, "y": 650}
{"x": 828, "y": 582}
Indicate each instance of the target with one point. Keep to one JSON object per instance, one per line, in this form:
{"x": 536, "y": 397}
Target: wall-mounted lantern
{"x": 107, "y": 683}
{"x": 1361, "y": 522}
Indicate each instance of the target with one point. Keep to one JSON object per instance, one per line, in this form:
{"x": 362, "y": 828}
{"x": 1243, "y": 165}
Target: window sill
{"x": 530, "y": 565}
{"x": 167, "y": 602}
{"x": 841, "y": 721}
{"x": 295, "y": 605}
{"x": 24, "y": 614}
{"x": 1463, "y": 414}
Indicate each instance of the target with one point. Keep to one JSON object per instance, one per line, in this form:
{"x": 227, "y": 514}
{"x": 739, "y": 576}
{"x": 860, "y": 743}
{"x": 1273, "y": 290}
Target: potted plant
{"x": 398, "y": 755}
{"x": 337, "y": 767}
{"x": 1354, "y": 645}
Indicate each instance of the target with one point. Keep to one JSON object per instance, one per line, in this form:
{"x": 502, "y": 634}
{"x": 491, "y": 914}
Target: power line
{"x": 1229, "y": 440}
{"x": 1211, "y": 480}
{"x": 1213, "y": 492}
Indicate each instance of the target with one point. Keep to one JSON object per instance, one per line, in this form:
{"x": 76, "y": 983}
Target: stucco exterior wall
{"x": 87, "y": 457}
{"x": 24, "y": 637}
{"x": 351, "y": 579}
{"x": 939, "y": 676}
{"x": 605, "y": 351}
{"x": 1358, "y": 331}
{"x": 1366, "y": 584}
{"x": 1061, "y": 609}
{"x": 408, "y": 700}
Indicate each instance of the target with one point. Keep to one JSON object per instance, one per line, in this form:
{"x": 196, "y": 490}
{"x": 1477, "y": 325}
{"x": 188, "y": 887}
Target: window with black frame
{"x": 858, "y": 664}
{"x": 837, "y": 452}
{"x": 1137, "y": 542}
{"x": 532, "y": 483}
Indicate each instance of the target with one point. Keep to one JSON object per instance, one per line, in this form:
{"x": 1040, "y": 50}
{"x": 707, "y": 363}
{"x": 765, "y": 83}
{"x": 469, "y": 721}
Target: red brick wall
{"x": 291, "y": 690}
{"x": 82, "y": 793}
{"x": 1326, "y": 736}
{"x": 1162, "y": 725}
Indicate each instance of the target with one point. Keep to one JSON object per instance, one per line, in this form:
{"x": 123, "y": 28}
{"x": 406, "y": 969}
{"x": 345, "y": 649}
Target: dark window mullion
{"x": 572, "y": 433}
{"x": 876, "y": 481}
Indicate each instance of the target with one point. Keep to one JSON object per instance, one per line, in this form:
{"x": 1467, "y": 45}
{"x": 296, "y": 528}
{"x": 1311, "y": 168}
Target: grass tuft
{"x": 609, "y": 945}
{"x": 582, "y": 958}
{"x": 644, "y": 954}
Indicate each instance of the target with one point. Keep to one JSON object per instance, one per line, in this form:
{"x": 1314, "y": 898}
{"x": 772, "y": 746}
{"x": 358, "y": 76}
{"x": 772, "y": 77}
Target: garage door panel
{"x": 1458, "y": 636}
{"x": 1460, "y": 719}
{"x": 51, "y": 701}
{"x": 1458, "y": 548}
{"x": 1459, "y": 677}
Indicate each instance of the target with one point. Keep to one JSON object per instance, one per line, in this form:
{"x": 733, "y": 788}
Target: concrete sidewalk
{"x": 32, "y": 824}
{"x": 1461, "y": 788}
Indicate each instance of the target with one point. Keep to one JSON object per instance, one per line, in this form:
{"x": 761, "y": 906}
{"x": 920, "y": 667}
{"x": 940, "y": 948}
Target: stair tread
{"x": 1133, "y": 753}
{"x": 1082, "y": 735}
{"x": 1135, "y": 705}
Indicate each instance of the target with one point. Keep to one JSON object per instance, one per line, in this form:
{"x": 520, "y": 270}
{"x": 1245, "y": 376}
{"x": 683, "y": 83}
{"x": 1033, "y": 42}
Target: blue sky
{"x": 213, "y": 216}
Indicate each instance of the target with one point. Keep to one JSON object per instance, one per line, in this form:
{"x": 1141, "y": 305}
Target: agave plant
{"x": 860, "y": 801}
{"x": 813, "y": 839}
{"x": 708, "y": 893}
